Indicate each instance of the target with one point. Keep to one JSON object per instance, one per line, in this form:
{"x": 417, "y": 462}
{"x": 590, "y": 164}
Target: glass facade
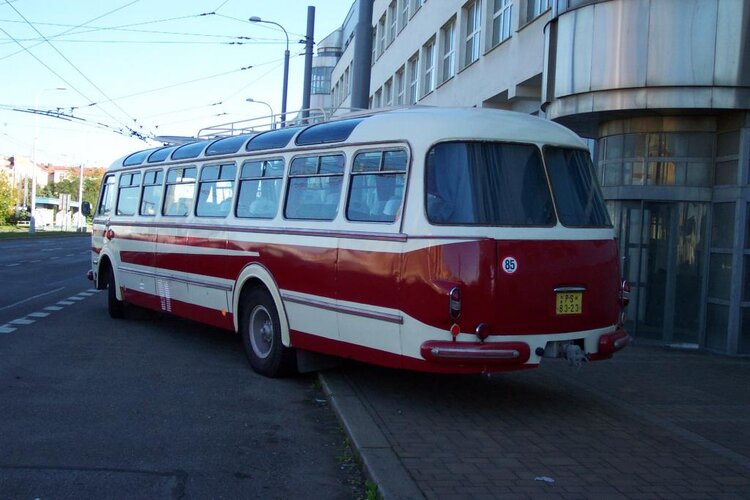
{"x": 678, "y": 248}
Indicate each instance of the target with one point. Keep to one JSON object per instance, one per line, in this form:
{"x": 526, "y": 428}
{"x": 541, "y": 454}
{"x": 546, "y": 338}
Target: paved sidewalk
{"x": 650, "y": 423}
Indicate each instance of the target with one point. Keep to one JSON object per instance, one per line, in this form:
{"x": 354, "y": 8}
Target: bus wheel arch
{"x": 261, "y": 321}
{"x": 106, "y": 278}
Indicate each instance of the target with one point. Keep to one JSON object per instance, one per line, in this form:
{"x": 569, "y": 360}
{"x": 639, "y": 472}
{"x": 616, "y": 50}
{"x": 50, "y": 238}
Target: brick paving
{"x": 650, "y": 423}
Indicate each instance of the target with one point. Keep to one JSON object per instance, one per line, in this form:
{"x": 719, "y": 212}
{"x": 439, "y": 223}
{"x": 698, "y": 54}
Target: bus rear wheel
{"x": 261, "y": 336}
{"x": 115, "y": 307}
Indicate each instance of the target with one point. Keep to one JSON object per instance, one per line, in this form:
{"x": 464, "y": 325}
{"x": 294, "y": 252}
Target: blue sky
{"x": 157, "y": 67}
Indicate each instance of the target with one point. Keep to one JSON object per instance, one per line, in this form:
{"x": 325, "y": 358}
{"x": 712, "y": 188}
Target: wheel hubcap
{"x": 261, "y": 332}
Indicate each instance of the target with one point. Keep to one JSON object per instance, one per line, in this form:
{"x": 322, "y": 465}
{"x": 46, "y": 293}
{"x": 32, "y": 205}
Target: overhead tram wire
{"x": 80, "y": 25}
{"x": 135, "y": 133}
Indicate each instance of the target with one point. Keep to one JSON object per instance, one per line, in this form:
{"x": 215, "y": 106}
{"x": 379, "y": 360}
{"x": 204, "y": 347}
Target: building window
{"x": 413, "y": 76}
{"x": 428, "y": 58}
{"x": 501, "y": 21}
{"x": 400, "y": 87}
{"x": 376, "y": 100}
{"x": 346, "y": 85}
{"x": 727, "y": 158}
{"x": 447, "y": 40}
{"x": 374, "y": 44}
{"x": 415, "y": 5}
{"x": 381, "y": 36}
{"x": 387, "y": 93}
{"x": 534, "y": 8}
{"x": 473, "y": 31}
{"x": 321, "y": 80}
{"x": 392, "y": 22}
{"x": 656, "y": 158}
{"x": 403, "y": 14}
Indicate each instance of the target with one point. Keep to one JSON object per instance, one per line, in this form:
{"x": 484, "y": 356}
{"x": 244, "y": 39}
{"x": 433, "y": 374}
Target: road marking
{"x": 21, "y": 321}
{"x": 12, "y": 265}
{"x": 35, "y": 261}
{"x": 26, "y": 320}
{"x": 32, "y": 298}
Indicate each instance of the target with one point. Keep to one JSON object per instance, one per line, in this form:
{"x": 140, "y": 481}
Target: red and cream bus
{"x": 431, "y": 239}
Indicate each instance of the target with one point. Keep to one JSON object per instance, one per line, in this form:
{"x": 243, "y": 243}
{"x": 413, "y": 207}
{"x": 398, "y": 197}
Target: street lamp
{"x": 32, "y": 218}
{"x": 256, "y": 19}
{"x": 273, "y": 117}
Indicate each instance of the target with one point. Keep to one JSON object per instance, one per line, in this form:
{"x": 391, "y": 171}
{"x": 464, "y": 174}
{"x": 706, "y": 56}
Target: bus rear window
{"x": 487, "y": 183}
{"x": 575, "y": 188}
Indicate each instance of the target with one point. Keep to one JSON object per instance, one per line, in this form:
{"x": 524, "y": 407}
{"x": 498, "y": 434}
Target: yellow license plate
{"x": 569, "y": 303}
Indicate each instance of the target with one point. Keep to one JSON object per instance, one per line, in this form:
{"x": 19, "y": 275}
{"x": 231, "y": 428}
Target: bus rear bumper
{"x": 610, "y": 343}
{"x": 452, "y": 352}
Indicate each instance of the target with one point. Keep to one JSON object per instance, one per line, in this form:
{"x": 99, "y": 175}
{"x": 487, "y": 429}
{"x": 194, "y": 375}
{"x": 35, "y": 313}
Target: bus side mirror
{"x": 86, "y": 208}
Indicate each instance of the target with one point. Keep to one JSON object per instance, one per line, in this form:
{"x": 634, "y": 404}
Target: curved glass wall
{"x": 663, "y": 234}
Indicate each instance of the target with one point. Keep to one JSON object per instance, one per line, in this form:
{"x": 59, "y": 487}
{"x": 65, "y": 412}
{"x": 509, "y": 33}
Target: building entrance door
{"x": 662, "y": 249}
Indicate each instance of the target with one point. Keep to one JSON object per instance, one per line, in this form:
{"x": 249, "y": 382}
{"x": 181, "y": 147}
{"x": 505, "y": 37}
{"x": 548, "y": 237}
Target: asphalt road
{"x": 147, "y": 407}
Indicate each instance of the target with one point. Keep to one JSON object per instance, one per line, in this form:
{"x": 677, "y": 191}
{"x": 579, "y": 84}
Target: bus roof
{"x": 415, "y": 124}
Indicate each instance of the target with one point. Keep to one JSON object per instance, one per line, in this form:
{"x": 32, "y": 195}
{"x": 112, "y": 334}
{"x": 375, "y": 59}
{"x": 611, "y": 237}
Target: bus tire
{"x": 261, "y": 336}
{"x": 115, "y": 307}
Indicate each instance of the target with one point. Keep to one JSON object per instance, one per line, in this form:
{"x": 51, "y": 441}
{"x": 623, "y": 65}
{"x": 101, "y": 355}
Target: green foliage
{"x": 371, "y": 490}
{"x": 7, "y": 200}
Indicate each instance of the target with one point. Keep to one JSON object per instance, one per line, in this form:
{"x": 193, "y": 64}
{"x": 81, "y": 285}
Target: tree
{"x": 91, "y": 187}
{"x": 7, "y": 199}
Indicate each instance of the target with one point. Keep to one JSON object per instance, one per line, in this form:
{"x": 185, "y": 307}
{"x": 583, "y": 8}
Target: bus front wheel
{"x": 115, "y": 307}
{"x": 261, "y": 336}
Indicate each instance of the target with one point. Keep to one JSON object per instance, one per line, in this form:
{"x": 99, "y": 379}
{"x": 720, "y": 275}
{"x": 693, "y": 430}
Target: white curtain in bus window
{"x": 314, "y": 187}
{"x": 260, "y": 188}
{"x": 483, "y": 183}
{"x": 377, "y": 186}
{"x": 180, "y": 191}
{"x": 577, "y": 196}
{"x": 216, "y": 190}
{"x": 152, "y": 191}
{"x": 127, "y": 196}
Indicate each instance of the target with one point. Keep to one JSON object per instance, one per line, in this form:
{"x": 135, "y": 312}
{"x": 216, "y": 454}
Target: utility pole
{"x": 309, "y": 41}
{"x": 362, "y": 59}
{"x": 80, "y": 225}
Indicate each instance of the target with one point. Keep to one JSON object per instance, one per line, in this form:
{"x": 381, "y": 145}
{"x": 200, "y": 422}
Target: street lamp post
{"x": 32, "y": 218}
{"x": 273, "y": 117}
{"x": 256, "y": 19}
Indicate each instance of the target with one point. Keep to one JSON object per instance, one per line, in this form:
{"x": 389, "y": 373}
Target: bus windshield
{"x": 504, "y": 184}
{"x": 577, "y": 197}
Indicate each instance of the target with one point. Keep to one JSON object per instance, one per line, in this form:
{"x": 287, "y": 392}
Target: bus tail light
{"x": 624, "y": 299}
{"x": 454, "y": 303}
{"x": 624, "y": 296}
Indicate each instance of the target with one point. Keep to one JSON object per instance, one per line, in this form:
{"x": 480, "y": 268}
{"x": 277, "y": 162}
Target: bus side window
{"x": 314, "y": 187}
{"x": 216, "y": 190}
{"x": 260, "y": 188}
{"x": 153, "y": 181}
{"x": 107, "y": 199}
{"x": 377, "y": 186}
{"x": 180, "y": 190}
{"x": 127, "y": 193}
